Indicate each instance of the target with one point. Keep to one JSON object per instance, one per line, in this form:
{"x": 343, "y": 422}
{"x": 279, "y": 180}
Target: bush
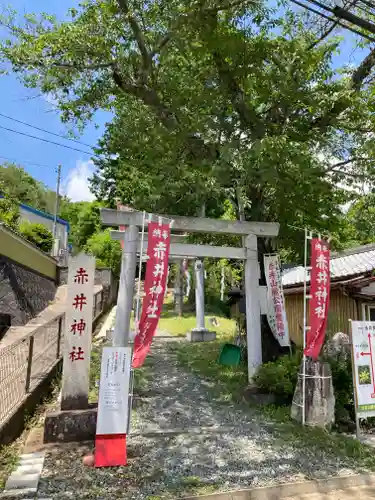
{"x": 9, "y": 213}
{"x": 279, "y": 377}
{"x": 341, "y": 368}
{"x": 37, "y": 234}
{"x": 106, "y": 251}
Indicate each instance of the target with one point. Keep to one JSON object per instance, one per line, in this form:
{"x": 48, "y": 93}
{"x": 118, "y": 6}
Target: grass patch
{"x": 95, "y": 361}
{"x": 179, "y": 326}
{"x": 33, "y": 418}
{"x": 8, "y": 460}
{"x": 201, "y": 358}
{"x": 142, "y": 376}
{"x": 194, "y": 485}
{"x": 314, "y": 438}
{"x": 229, "y": 384}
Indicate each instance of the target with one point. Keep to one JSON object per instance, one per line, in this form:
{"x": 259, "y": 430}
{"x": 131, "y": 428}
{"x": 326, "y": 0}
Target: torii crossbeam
{"x": 249, "y": 253}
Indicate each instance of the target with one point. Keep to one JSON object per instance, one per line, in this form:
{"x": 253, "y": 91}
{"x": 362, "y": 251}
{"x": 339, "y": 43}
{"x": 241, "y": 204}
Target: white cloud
{"x": 76, "y": 186}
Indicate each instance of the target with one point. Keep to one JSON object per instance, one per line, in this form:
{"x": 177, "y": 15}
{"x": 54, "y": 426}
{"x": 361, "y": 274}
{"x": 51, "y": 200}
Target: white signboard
{"x": 114, "y": 391}
{"x": 276, "y": 314}
{"x": 363, "y": 351}
{"x": 78, "y": 331}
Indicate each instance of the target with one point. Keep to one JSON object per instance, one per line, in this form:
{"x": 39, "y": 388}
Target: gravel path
{"x": 183, "y": 441}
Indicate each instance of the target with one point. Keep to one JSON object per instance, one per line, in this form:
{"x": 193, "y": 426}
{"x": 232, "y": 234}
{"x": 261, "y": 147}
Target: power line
{"x": 369, "y": 4}
{"x": 343, "y": 14}
{"x": 44, "y": 130}
{"x": 352, "y": 18}
{"x": 368, "y": 12}
{"x": 47, "y": 140}
{"x": 26, "y": 162}
{"x": 334, "y": 20}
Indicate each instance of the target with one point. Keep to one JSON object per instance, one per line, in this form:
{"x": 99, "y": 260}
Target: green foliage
{"x": 37, "y": 234}
{"x": 9, "y": 458}
{"x": 361, "y": 220}
{"x": 9, "y": 213}
{"x": 106, "y": 250}
{"x": 206, "y": 99}
{"x": 279, "y": 377}
{"x": 84, "y": 219}
{"x": 17, "y": 184}
{"x": 342, "y": 380}
{"x": 212, "y": 285}
{"x": 95, "y": 364}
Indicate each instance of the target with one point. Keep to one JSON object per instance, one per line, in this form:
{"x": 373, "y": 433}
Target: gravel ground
{"x": 207, "y": 445}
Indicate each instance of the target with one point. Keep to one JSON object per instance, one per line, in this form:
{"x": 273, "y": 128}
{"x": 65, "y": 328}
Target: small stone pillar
{"x": 319, "y": 395}
{"x": 200, "y": 333}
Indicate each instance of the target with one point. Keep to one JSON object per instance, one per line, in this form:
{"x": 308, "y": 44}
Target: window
{"x": 368, "y": 312}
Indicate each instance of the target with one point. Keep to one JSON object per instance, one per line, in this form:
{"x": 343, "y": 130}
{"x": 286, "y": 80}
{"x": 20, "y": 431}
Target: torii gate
{"x": 249, "y": 253}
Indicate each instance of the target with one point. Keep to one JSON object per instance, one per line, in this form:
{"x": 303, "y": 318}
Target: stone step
{"x": 23, "y": 482}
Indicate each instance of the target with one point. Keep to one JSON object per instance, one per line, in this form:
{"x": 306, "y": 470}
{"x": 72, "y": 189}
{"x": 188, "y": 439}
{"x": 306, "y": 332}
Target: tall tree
{"x": 84, "y": 219}
{"x": 16, "y": 183}
{"x": 208, "y": 96}
{"x": 360, "y": 220}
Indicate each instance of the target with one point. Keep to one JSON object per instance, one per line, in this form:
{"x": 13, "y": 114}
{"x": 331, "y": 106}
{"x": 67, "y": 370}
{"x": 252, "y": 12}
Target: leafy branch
{"x": 139, "y": 38}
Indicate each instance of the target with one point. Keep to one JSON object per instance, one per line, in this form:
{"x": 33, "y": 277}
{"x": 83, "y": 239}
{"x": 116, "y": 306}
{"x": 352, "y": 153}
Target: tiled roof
{"x": 349, "y": 263}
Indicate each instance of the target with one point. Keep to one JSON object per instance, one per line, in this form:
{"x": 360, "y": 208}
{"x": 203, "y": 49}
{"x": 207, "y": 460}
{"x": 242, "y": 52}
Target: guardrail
{"x": 25, "y": 363}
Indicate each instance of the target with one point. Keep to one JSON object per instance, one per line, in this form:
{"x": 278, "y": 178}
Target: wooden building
{"x": 352, "y": 292}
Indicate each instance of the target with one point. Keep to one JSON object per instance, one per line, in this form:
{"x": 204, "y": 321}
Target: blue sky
{"x": 24, "y": 104}
{"x": 18, "y": 102}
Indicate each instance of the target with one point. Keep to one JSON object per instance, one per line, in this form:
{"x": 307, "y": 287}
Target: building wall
{"x": 61, "y": 229}
{"x": 294, "y": 314}
{"x": 23, "y": 292}
{"x": 341, "y": 309}
{"x": 27, "y": 278}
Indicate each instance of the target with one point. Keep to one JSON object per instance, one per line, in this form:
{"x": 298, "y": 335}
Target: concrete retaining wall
{"x": 27, "y": 278}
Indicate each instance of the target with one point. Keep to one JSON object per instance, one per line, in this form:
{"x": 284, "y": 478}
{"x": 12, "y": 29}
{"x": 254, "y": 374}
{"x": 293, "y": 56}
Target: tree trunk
{"x": 179, "y": 289}
{"x": 271, "y": 348}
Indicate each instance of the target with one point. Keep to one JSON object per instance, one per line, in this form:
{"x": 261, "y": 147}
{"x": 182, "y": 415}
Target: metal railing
{"x": 26, "y": 363}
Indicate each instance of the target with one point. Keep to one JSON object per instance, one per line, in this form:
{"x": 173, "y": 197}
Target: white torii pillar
{"x": 126, "y": 288}
{"x": 252, "y": 294}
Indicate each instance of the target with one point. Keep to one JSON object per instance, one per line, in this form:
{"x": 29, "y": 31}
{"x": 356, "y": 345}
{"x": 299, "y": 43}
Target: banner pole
{"x": 140, "y": 272}
{"x": 304, "y": 334}
{"x": 136, "y": 321}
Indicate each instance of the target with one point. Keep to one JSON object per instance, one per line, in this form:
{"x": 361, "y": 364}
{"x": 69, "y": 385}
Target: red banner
{"x": 159, "y": 239}
{"x": 319, "y": 302}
